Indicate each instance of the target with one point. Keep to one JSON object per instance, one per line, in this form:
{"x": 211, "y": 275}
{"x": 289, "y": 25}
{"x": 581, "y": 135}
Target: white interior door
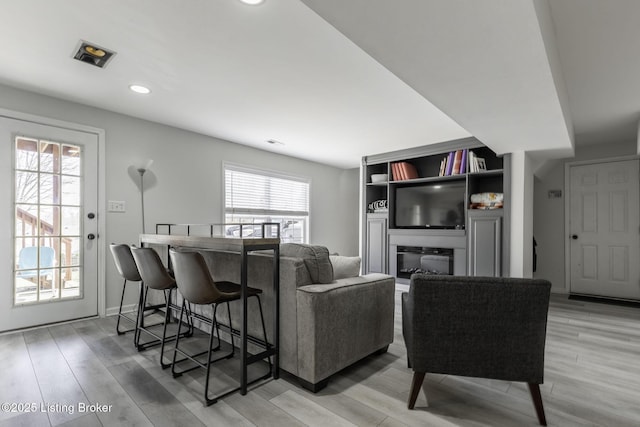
{"x": 604, "y": 229}
{"x": 49, "y": 246}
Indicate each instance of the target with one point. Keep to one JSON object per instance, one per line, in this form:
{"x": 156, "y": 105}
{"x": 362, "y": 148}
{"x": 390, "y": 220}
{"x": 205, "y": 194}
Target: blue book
{"x": 463, "y": 162}
{"x": 449, "y": 164}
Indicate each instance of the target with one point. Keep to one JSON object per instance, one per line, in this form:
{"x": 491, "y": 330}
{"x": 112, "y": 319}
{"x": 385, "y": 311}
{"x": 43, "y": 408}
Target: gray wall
{"x": 549, "y": 214}
{"x": 186, "y": 177}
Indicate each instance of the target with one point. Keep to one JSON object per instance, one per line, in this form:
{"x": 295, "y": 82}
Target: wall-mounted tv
{"x": 430, "y": 205}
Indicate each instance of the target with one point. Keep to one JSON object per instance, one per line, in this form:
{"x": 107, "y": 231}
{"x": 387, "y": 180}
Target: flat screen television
{"x": 430, "y": 205}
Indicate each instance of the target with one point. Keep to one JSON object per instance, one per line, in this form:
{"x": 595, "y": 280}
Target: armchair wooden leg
{"x": 418, "y": 378}
{"x": 537, "y": 402}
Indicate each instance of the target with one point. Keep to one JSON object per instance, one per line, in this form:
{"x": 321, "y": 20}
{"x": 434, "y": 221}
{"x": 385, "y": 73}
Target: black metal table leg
{"x": 243, "y": 327}
{"x": 276, "y": 312}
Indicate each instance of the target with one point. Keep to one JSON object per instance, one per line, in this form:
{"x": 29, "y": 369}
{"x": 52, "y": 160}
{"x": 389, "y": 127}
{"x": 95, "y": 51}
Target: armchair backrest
{"x": 478, "y": 326}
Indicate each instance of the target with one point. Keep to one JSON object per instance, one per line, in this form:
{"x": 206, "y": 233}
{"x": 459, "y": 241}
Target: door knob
{"x": 91, "y": 215}
{"x": 91, "y": 236}
{"x": 574, "y": 236}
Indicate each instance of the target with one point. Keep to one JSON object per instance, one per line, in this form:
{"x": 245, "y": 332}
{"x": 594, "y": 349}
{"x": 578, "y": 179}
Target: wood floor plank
{"x": 396, "y": 406}
{"x": 220, "y": 414}
{"x": 88, "y": 420}
{"x": 591, "y": 379}
{"x": 307, "y": 411}
{"x": 18, "y": 382}
{"x": 157, "y": 403}
{"x": 391, "y": 422}
{"x": 261, "y": 412}
{"x": 350, "y": 409}
{"x": 31, "y": 419}
{"x": 60, "y": 391}
{"x": 98, "y": 384}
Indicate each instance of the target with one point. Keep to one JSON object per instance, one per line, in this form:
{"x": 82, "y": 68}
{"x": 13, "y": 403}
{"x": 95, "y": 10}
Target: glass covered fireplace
{"x": 417, "y": 259}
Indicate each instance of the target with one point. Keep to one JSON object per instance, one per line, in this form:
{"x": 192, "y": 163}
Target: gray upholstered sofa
{"x": 325, "y": 324}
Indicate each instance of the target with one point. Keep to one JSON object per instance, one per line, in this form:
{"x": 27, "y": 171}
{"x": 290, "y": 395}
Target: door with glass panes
{"x": 52, "y": 187}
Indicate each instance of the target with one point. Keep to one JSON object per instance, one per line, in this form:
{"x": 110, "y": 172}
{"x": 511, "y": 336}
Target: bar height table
{"x": 243, "y": 246}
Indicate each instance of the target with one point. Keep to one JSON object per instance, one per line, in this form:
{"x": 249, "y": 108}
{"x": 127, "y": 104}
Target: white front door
{"x": 49, "y": 246}
{"x": 604, "y": 229}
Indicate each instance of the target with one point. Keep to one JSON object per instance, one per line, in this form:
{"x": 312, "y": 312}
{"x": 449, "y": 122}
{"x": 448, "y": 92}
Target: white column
{"x": 521, "y": 244}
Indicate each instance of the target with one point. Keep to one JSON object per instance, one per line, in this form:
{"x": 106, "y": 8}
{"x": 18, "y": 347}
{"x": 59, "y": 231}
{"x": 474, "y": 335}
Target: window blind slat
{"x": 246, "y": 191}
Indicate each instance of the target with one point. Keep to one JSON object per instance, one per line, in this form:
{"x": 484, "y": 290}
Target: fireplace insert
{"x": 417, "y": 259}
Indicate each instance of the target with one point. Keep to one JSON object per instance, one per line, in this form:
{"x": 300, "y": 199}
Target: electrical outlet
{"x": 116, "y": 206}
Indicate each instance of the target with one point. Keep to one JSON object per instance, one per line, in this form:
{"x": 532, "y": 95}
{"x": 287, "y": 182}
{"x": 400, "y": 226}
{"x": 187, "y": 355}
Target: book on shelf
{"x": 476, "y": 164}
{"x": 394, "y": 172}
{"x": 454, "y": 163}
{"x": 457, "y": 160}
{"x": 409, "y": 170}
{"x": 403, "y": 171}
{"x": 463, "y": 162}
{"x": 449, "y": 167}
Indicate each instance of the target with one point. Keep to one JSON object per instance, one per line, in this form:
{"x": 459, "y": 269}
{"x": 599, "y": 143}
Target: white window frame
{"x": 260, "y": 212}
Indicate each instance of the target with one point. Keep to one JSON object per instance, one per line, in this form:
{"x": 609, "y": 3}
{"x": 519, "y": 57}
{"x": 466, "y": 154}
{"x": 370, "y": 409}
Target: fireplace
{"x": 419, "y": 259}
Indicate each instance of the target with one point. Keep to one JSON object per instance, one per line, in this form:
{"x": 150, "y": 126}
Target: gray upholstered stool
{"x": 198, "y": 287}
{"x": 154, "y": 276}
{"x": 127, "y": 268}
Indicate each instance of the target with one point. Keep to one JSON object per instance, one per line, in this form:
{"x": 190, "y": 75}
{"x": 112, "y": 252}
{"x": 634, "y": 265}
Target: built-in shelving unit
{"x": 430, "y": 210}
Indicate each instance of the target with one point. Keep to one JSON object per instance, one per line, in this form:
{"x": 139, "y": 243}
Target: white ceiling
{"x": 484, "y": 63}
{"x": 599, "y": 46}
{"x": 519, "y": 75}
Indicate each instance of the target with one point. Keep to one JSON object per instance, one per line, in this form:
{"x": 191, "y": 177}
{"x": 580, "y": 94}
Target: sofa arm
{"x": 342, "y": 322}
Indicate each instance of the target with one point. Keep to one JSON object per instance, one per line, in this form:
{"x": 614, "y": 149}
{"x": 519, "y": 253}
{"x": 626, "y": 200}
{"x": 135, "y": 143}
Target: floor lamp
{"x": 141, "y": 170}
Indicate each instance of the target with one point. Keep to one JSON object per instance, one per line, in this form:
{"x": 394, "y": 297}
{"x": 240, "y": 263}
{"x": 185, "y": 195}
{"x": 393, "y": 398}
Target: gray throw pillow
{"x": 316, "y": 259}
{"x": 345, "y": 266}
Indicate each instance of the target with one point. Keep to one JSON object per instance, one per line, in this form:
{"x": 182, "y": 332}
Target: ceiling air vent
{"x": 93, "y": 54}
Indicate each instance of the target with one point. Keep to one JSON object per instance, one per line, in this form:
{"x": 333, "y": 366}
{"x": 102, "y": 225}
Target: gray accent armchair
{"x": 485, "y": 327}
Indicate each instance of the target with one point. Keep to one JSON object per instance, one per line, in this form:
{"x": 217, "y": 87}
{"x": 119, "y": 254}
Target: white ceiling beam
{"x": 490, "y": 65}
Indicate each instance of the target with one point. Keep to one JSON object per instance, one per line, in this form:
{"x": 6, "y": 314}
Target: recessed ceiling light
{"x": 252, "y": 2}
{"x": 140, "y": 89}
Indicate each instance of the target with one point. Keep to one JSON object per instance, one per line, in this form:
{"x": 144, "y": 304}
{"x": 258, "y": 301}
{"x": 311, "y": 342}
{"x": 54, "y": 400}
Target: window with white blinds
{"x": 254, "y": 196}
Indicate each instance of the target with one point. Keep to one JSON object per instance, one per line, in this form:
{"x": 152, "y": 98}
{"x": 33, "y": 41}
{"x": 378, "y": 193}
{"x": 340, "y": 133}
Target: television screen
{"x": 432, "y": 205}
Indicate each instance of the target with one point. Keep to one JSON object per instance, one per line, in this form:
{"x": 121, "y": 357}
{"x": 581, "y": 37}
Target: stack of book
{"x": 458, "y": 162}
{"x": 454, "y": 163}
{"x": 403, "y": 170}
{"x": 476, "y": 164}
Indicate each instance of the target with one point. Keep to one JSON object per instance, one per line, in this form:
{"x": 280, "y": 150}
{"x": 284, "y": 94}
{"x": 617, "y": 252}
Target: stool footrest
{"x": 260, "y": 356}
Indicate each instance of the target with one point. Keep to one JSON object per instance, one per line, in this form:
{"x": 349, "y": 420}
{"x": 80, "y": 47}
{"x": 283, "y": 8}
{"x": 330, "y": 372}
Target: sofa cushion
{"x": 345, "y": 266}
{"x": 316, "y": 259}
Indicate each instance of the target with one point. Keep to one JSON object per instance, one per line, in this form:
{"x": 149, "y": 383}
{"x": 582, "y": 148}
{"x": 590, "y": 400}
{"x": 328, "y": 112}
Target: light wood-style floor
{"x": 592, "y": 378}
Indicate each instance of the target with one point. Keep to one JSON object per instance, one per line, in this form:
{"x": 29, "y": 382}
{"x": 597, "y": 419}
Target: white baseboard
{"x": 130, "y": 308}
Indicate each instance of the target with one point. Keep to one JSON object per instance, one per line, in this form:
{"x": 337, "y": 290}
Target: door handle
{"x": 574, "y": 236}
{"x": 91, "y": 236}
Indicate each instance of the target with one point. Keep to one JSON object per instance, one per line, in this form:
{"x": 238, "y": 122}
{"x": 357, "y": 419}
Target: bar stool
{"x": 198, "y": 287}
{"x": 155, "y": 276}
{"x": 127, "y": 268}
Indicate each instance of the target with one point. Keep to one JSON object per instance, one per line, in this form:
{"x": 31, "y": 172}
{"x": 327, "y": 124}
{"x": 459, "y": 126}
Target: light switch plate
{"x": 116, "y": 206}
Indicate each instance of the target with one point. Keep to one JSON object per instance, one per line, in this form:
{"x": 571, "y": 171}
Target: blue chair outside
{"x": 28, "y": 261}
